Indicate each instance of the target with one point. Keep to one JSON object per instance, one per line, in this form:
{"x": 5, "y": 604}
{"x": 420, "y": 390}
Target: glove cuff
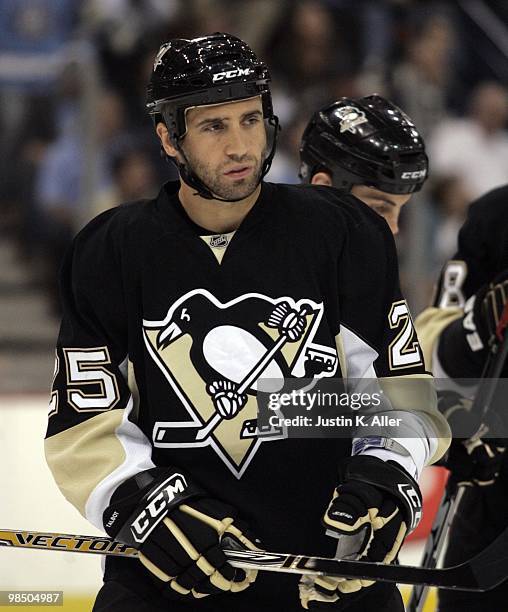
{"x": 141, "y": 503}
{"x": 388, "y": 476}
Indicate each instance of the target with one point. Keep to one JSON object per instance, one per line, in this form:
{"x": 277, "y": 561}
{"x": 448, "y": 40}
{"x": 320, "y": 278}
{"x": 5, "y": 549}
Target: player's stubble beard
{"x": 223, "y": 187}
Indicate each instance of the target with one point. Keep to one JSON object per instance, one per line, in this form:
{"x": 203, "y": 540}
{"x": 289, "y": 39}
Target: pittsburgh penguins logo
{"x": 350, "y": 117}
{"x": 214, "y": 356}
{"x": 160, "y": 54}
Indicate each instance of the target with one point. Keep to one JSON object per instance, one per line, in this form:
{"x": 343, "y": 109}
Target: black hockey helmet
{"x": 211, "y": 69}
{"x": 364, "y": 141}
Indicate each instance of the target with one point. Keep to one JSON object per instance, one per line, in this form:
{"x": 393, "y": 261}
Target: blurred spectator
{"x": 451, "y": 201}
{"x": 32, "y": 36}
{"x": 250, "y": 20}
{"x": 312, "y": 52}
{"x": 123, "y": 31}
{"x": 420, "y": 82}
{"x": 59, "y": 180}
{"x": 286, "y": 164}
{"x": 215, "y": 16}
{"x": 17, "y": 206}
{"x": 377, "y": 35}
{"x": 59, "y": 186}
{"x": 126, "y": 22}
{"x": 133, "y": 178}
{"x": 474, "y": 149}
{"x": 312, "y": 56}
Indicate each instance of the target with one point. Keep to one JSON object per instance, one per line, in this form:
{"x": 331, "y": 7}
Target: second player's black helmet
{"x": 211, "y": 69}
{"x": 364, "y": 141}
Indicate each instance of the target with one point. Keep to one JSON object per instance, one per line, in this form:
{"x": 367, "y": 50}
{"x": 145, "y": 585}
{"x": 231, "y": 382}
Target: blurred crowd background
{"x": 75, "y": 138}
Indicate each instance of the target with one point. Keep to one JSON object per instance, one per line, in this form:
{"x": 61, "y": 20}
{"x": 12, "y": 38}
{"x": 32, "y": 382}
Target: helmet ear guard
{"x": 365, "y": 141}
{"x": 214, "y": 69}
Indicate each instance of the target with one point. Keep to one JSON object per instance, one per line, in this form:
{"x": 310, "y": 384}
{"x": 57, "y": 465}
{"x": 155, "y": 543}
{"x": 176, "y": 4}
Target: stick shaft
{"x": 435, "y": 542}
{"x": 64, "y": 542}
{"x": 483, "y": 572}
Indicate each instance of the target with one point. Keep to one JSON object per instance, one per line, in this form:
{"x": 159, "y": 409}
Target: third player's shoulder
{"x": 491, "y": 208}
{"x": 483, "y": 237}
{"x": 327, "y": 205}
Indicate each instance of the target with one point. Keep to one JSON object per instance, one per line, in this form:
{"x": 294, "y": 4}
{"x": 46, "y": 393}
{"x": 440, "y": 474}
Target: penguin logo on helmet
{"x": 160, "y": 54}
{"x": 350, "y": 117}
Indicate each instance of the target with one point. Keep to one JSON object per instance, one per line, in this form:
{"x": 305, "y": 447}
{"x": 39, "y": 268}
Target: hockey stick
{"x": 493, "y": 369}
{"x": 453, "y": 492}
{"x": 436, "y": 541}
{"x": 482, "y": 573}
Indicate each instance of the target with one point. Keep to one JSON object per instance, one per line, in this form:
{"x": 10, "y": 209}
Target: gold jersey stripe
{"x": 429, "y": 325}
{"x": 82, "y": 456}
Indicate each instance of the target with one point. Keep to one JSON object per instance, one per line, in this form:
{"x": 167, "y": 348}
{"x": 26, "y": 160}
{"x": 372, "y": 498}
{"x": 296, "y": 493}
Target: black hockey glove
{"x": 463, "y": 346}
{"x": 471, "y": 462}
{"x": 178, "y": 530}
{"x": 377, "y": 499}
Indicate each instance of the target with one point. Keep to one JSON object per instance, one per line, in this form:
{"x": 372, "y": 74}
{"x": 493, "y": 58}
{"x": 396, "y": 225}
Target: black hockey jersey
{"x": 156, "y": 313}
{"x": 482, "y": 253}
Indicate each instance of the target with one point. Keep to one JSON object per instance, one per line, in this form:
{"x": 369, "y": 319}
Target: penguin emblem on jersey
{"x": 214, "y": 356}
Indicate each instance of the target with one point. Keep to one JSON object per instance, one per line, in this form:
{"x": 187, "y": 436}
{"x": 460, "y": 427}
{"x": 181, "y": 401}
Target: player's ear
{"x": 163, "y": 134}
{"x": 322, "y": 178}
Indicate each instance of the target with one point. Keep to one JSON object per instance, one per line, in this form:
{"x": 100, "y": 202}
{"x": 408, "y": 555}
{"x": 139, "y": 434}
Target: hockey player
{"x": 368, "y": 147}
{"x": 455, "y": 334}
{"x": 175, "y": 307}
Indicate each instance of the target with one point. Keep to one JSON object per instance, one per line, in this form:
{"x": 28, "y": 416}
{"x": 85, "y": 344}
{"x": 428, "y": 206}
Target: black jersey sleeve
{"x": 92, "y": 442}
{"x": 378, "y": 339}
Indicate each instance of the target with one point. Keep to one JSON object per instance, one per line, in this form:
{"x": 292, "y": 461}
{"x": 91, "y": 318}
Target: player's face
{"x": 225, "y": 145}
{"x": 388, "y": 205}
